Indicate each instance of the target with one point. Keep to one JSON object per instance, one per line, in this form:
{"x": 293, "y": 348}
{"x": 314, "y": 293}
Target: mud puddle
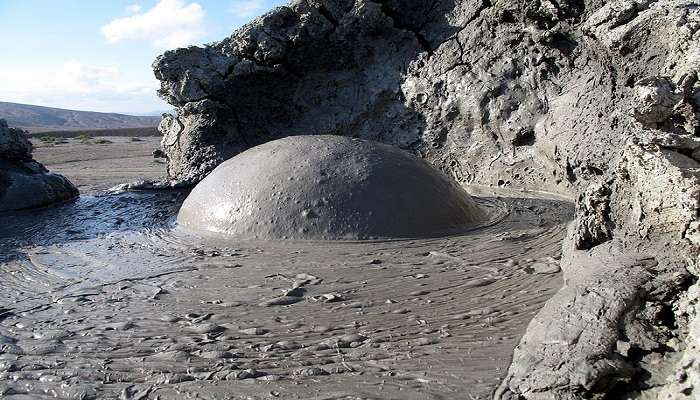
{"x": 102, "y": 298}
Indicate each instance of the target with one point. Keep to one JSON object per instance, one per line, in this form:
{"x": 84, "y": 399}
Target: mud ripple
{"x": 103, "y": 298}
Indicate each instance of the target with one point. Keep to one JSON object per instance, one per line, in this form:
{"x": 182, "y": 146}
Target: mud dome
{"x": 328, "y": 187}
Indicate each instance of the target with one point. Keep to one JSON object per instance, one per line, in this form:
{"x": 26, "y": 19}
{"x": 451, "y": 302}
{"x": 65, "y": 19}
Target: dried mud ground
{"x": 94, "y": 166}
{"x": 105, "y": 298}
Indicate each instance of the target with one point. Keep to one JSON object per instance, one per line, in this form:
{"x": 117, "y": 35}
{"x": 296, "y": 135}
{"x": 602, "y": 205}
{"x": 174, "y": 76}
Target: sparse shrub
{"x": 48, "y": 139}
{"x": 84, "y": 139}
{"x": 52, "y": 140}
{"x": 135, "y": 139}
{"x": 102, "y": 141}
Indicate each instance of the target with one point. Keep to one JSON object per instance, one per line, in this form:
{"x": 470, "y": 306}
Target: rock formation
{"x": 328, "y": 187}
{"x": 24, "y": 183}
{"x": 596, "y": 100}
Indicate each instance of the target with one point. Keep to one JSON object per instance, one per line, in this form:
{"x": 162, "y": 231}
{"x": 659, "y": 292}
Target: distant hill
{"x": 44, "y": 119}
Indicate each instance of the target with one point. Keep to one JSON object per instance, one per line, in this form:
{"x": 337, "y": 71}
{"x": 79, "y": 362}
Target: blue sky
{"x": 96, "y": 54}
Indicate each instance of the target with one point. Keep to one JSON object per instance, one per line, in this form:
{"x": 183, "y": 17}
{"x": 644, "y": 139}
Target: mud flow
{"x": 105, "y": 297}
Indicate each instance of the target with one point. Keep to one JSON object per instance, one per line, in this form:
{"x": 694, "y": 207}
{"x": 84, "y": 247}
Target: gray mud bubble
{"x": 327, "y": 188}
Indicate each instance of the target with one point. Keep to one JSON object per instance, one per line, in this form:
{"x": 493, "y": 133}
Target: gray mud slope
{"x": 597, "y": 100}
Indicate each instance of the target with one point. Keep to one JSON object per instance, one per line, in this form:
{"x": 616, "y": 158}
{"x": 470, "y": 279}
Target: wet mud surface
{"x": 104, "y": 298}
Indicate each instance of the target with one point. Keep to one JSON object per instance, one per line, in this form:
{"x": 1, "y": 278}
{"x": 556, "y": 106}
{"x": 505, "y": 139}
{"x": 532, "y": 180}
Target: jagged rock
{"x": 570, "y": 346}
{"x": 24, "y": 183}
{"x": 660, "y": 104}
{"x": 593, "y": 217}
{"x": 618, "y": 289}
{"x": 14, "y": 145}
{"x": 655, "y": 100}
{"x": 596, "y": 100}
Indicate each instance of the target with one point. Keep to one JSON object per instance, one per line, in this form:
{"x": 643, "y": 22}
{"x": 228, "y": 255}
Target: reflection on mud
{"x": 103, "y": 298}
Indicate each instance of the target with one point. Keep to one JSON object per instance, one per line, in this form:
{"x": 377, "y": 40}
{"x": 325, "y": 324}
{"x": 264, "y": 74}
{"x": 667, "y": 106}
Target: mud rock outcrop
{"x": 328, "y": 187}
{"x": 24, "y": 183}
{"x": 621, "y": 318}
{"x": 596, "y": 100}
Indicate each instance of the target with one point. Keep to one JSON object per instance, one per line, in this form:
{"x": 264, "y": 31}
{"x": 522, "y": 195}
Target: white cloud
{"x": 73, "y": 77}
{"x": 169, "y": 24}
{"x": 76, "y": 85}
{"x": 133, "y": 9}
{"x": 247, "y": 8}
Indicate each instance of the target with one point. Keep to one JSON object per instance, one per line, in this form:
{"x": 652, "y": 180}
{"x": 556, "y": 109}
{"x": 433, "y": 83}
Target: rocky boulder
{"x": 25, "y": 183}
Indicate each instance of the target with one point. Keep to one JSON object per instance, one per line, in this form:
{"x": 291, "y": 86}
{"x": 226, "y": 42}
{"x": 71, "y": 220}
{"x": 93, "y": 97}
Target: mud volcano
{"x": 328, "y": 187}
